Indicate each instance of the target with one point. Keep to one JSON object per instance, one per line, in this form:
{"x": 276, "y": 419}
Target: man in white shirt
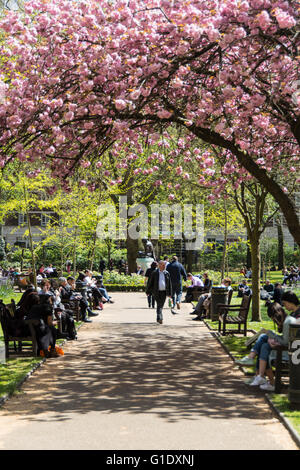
{"x": 159, "y": 285}
{"x": 196, "y": 282}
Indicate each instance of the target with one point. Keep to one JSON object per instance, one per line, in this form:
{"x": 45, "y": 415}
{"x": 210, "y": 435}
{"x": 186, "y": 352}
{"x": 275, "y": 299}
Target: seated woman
{"x": 103, "y": 290}
{"x": 264, "y": 348}
{"x": 46, "y": 332}
{"x": 23, "y": 308}
{"x": 92, "y": 284}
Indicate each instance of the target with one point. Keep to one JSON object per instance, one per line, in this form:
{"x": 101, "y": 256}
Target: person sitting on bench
{"x": 204, "y": 301}
{"x": 264, "y": 348}
{"x": 196, "y": 282}
{"x": 46, "y": 332}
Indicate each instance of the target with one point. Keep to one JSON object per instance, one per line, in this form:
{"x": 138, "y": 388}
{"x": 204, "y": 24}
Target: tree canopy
{"x": 81, "y": 77}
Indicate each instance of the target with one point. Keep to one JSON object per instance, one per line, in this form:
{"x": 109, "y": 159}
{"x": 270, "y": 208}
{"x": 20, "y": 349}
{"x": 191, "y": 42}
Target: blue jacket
{"x": 176, "y": 271}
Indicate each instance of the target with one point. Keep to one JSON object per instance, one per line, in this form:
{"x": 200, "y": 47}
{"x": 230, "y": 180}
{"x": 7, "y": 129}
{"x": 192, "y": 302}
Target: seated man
{"x": 243, "y": 288}
{"x": 267, "y": 292}
{"x": 139, "y": 271}
{"x": 196, "y": 282}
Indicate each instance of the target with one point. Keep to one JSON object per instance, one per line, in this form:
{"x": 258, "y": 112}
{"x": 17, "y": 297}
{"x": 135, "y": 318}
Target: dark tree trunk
{"x": 189, "y": 260}
{"x": 255, "y": 261}
{"x": 280, "y": 245}
{"x": 248, "y": 262}
{"x": 132, "y": 253}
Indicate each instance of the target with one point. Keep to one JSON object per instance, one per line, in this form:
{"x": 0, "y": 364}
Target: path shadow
{"x": 164, "y": 370}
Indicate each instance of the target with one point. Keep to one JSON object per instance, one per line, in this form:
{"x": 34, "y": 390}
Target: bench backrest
{"x": 229, "y": 296}
{"x": 6, "y": 316}
{"x": 245, "y": 306}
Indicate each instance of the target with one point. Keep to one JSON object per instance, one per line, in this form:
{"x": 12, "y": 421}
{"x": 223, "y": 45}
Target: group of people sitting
{"x": 291, "y": 275}
{"x": 51, "y": 303}
{"x": 272, "y": 292}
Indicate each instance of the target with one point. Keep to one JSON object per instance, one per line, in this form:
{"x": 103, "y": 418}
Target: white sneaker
{"x": 267, "y": 387}
{"x": 246, "y": 361}
{"x": 258, "y": 380}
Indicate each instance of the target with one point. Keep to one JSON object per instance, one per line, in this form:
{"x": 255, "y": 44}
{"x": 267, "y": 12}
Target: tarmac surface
{"x": 129, "y": 383}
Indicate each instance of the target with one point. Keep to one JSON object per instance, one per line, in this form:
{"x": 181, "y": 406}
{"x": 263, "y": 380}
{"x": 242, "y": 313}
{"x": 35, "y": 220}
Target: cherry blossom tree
{"x": 79, "y": 76}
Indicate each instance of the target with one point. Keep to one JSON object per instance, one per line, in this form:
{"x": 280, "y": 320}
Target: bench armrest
{"x": 226, "y": 309}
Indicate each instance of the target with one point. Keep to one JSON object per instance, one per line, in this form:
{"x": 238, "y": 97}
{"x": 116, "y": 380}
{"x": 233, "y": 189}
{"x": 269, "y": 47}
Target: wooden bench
{"x": 281, "y": 367}
{"x": 239, "y": 319}
{"x": 7, "y": 313}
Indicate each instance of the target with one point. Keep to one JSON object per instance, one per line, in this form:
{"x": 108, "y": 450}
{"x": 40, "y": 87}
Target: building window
{"x": 45, "y": 220}
{"x": 22, "y": 219}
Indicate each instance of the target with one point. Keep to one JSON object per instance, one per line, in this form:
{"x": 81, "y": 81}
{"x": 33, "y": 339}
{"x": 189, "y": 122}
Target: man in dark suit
{"x": 177, "y": 272}
{"x": 159, "y": 285}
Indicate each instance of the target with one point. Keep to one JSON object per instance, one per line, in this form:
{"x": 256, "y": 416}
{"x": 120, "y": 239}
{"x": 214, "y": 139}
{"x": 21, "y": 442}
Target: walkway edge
{"x": 26, "y": 377}
{"x": 293, "y": 433}
{"x": 22, "y": 381}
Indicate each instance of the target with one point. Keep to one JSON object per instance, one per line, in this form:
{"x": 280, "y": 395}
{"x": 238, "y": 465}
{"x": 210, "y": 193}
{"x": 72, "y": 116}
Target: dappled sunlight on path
{"x": 168, "y": 375}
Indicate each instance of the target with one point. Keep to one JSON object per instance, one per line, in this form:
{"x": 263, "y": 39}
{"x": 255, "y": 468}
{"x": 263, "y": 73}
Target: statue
{"x": 145, "y": 258}
{"x": 148, "y": 247}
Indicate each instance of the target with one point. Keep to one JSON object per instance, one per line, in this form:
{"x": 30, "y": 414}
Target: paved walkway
{"x": 129, "y": 383}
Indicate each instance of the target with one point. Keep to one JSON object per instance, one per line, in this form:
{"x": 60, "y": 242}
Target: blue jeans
{"x": 263, "y": 349}
{"x": 177, "y": 293}
{"x": 104, "y": 293}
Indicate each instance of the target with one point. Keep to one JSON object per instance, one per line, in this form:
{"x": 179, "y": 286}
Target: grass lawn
{"x": 14, "y": 371}
{"x": 282, "y": 403}
{"x": 16, "y": 368}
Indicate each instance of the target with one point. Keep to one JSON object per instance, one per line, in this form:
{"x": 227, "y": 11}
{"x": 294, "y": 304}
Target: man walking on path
{"x": 159, "y": 285}
{"x": 177, "y": 272}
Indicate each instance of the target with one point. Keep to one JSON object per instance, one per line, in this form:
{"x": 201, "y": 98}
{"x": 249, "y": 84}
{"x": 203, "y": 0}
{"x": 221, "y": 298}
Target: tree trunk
{"x": 132, "y": 253}
{"x": 223, "y": 266}
{"x": 92, "y": 255}
{"x": 189, "y": 261}
{"x": 255, "y": 261}
{"x": 280, "y": 246}
{"x": 248, "y": 261}
{"x": 74, "y": 252}
{"x": 30, "y": 240}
